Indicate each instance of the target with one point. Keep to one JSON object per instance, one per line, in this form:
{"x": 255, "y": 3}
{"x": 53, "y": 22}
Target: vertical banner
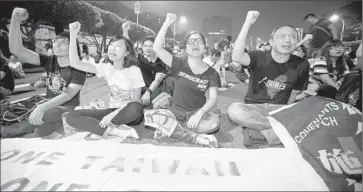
{"x": 300, "y": 33}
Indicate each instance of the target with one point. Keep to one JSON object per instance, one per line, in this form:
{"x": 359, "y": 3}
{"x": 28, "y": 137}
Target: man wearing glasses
{"x": 63, "y": 82}
{"x": 276, "y": 77}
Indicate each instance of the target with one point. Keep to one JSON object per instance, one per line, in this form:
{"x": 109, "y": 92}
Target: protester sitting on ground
{"x": 104, "y": 58}
{"x": 268, "y": 47}
{"x": 152, "y": 68}
{"x": 194, "y": 79}
{"x": 216, "y": 62}
{"x": 125, "y": 81}
{"x": 64, "y": 83}
{"x": 322, "y": 31}
{"x": 6, "y": 78}
{"x": 87, "y": 58}
{"x": 16, "y": 67}
{"x": 277, "y": 76}
{"x": 261, "y": 47}
{"x": 328, "y": 68}
{"x": 224, "y": 46}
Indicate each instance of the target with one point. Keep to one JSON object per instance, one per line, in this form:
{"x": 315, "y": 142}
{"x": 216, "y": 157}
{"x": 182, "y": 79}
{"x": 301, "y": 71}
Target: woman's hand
{"x": 194, "y": 120}
{"x": 106, "y": 120}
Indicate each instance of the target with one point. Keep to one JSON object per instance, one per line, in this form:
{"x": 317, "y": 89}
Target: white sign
{"x": 137, "y": 7}
{"x": 60, "y": 165}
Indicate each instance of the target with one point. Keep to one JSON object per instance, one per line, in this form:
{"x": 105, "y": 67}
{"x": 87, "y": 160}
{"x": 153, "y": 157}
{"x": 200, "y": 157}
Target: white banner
{"x": 58, "y": 165}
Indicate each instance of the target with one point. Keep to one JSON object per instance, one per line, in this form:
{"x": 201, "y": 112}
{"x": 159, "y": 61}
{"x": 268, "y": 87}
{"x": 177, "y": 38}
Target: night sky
{"x": 272, "y": 13}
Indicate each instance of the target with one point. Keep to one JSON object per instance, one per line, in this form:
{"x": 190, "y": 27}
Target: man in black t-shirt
{"x": 153, "y": 71}
{"x": 322, "y": 31}
{"x": 63, "y": 82}
{"x": 152, "y": 68}
{"x": 276, "y": 77}
{"x": 6, "y": 78}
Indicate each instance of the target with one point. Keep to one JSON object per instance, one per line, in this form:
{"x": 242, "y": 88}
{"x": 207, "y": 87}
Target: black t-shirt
{"x": 8, "y": 81}
{"x": 149, "y": 69}
{"x": 59, "y": 78}
{"x": 273, "y": 82}
{"x": 190, "y": 88}
{"x": 321, "y": 33}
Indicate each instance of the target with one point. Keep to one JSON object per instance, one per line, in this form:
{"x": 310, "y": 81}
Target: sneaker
{"x": 127, "y": 131}
{"x": 207, "y": 140}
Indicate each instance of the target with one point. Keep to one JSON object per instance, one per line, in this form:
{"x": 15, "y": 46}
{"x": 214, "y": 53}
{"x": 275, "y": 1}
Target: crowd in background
{"x": 148, "y": 74}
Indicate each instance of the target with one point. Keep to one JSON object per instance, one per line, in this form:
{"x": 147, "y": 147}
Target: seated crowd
{"x": 150, "y": 77}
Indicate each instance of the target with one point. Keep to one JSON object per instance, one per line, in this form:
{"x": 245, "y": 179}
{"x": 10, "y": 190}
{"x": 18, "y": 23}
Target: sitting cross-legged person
{"x": 277, "y": 77}
{"x": 152, "y": 68}
{"x": 196, "y": 117}
{"x": 125, "y": 81}
{"x": 63, "y": 82}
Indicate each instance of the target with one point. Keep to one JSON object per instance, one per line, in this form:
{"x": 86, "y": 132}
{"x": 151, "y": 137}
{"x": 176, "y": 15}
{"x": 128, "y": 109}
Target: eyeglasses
{"x": 62, "y": 41}
{"x": 338, "y": 48}
{"x": 283, "y": 36}
{"x": 148, "y": 46}
{"x": 192, "y": 41}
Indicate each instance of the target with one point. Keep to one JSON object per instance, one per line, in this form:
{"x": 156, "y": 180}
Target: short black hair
{"x": 150, "y": 38}
{"x": 229, "y": 38}
{"x": 67, "y": 35}
{"x": 309, "y": 15}
{"x": 279, "y": 27}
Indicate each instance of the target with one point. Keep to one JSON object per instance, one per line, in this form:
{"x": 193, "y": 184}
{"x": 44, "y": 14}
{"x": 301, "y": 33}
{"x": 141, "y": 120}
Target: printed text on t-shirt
{"x": 202, "y": 83}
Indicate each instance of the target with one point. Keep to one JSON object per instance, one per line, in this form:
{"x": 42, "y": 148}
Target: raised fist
{"x": 74, "y": 27}
{"x": 171, "y": 18}
{"x": 20, "y": 14}
{"x": 252, "y": 16}
{"x": 126, "y": 26}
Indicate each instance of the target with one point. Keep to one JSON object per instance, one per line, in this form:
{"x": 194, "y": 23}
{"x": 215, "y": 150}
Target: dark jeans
{"x": 53, "y": 121}
{"x": 89, "y": 119}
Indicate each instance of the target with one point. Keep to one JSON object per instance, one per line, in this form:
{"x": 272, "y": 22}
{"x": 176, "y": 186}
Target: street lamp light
{"x": 335, "y": 18}
{"x": 182, "y": 20}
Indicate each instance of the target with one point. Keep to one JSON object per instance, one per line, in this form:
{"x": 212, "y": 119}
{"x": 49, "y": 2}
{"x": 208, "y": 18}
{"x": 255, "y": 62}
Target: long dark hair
{"x": 129, "y": 60}
{"x": 342, "y": 61}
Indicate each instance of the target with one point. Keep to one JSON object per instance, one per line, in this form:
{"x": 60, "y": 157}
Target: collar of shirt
{"x": 151, "y": 60}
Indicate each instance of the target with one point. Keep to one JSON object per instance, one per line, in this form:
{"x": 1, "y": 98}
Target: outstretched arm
{"x": 159, "y": 49}
{"x": 239, "y": 56}
{"x": 74, "y": 60}
{"x": 306, "y": 38}
{"x": 334, "y": 31}
{"x": 15, "y": 40}
{"x": 126, "y": 26}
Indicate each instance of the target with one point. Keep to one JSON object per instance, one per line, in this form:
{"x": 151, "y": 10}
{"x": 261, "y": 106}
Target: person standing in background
{"x": 322, "y": 31}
